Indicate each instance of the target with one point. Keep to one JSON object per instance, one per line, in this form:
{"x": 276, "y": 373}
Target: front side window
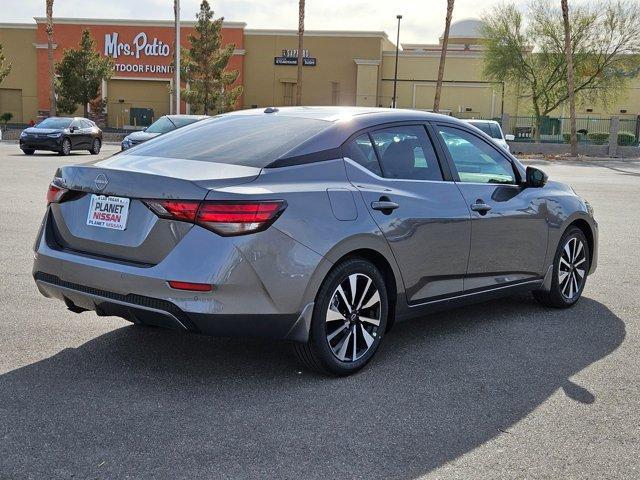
{"x": 405, "y": 152}
{"x": 475, "y": 160}
{"x": 361, "y": 151}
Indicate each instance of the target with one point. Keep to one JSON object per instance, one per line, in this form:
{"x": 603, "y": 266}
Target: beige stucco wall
{"x": 265, "y": 83}
{"x": 367, "y": 79}
{"x": 464, "y": 87}
{"x": 18, "y": 91}
{"x": 137, "y": 94}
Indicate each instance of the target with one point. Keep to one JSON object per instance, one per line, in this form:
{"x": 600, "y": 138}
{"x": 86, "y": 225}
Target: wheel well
{"x": 588, "y": 233}
{"x": 387, "y": 272}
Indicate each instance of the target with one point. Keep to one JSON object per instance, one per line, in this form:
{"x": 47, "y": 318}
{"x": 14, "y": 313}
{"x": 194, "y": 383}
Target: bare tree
{"x": 443, "y": 56}
{"x": 52, "y": 77}
{"x": 605, "y": 44}
{"x": 568, "y": 51}
{"x": 300, "y": 52}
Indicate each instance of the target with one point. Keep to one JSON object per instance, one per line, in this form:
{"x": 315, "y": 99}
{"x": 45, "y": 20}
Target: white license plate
{"x": 108, "y": 212}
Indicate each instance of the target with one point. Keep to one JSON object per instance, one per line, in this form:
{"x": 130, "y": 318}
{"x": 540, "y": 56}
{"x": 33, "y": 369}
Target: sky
{"x": 423, "y": 20}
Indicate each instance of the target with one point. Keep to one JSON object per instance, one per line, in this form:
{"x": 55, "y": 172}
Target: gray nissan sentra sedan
{"x": 318, "y": 225}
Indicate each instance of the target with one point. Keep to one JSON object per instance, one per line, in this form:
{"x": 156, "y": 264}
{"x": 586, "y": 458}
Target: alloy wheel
{"x": 353, "y": 317}
{"x": 571, "y": 268}
{"x": 66, "y": 147}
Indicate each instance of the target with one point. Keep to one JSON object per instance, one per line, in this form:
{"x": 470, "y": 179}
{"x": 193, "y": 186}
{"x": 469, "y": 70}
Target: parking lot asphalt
{"x": 505, "y": 389}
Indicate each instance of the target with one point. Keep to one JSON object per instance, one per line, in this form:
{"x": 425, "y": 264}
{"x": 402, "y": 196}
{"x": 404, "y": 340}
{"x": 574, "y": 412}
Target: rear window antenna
{"x": 271, "y": 110}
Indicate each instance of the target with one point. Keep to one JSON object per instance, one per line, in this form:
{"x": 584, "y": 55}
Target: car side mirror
{"x": 536, "y": 178}
{"x": 73, "y": 128}
{"x": 509, "y": 138}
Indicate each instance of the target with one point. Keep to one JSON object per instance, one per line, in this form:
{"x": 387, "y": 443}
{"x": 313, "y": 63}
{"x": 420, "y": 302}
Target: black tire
{"x": 319, "y": 354}
{"x": 95, "y": 146}
{"x": 65, "y": 148}
{"x": 561, "y": 294}
{"x": 28, "y": 151}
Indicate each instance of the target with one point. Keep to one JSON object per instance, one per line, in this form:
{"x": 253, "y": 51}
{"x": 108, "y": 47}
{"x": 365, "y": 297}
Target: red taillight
{"x": 233, "y": 218}
{"x": 226, "y": 218}
{"x": 192, "y": 287}
{"x": 175, "y": 209}
{"x": 55, "y": 193}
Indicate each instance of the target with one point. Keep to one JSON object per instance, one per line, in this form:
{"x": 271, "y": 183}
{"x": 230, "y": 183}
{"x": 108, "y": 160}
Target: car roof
{"x": 480, "y": 120}
{"x": 196, "y": 117}
{"x": 342, "y": 123}
{"x": 335, "y": 114}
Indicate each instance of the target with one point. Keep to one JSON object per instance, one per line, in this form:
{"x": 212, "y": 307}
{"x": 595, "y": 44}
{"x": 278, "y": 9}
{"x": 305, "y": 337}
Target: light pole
{"x": 395, "y": 74}
{"x": 176, "y": 86}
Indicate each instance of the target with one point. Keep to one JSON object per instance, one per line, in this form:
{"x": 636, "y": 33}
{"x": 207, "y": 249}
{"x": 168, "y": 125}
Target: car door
{"x": 421, "y": 213}
{"x": 509, "y": 226}
{"x": 76, "y": 135}
{"x": 87, "y": 133}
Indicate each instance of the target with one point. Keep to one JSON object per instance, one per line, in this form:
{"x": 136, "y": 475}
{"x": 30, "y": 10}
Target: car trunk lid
{"x": 146, "y": 238}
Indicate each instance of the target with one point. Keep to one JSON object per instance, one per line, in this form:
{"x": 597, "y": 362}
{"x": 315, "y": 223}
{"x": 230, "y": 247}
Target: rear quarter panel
{"x": 315, "y": 194}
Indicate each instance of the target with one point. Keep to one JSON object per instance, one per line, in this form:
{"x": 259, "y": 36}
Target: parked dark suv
{"x": 62, "y": 135}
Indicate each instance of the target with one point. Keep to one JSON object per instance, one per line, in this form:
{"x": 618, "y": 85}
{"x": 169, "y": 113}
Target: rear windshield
{"x": 182, "y": 121}
{"x": 251, "y": 140}
{"x": 162, "y": 125}
{"x": 490, "y": 129}
{"x": 55, "y": 123}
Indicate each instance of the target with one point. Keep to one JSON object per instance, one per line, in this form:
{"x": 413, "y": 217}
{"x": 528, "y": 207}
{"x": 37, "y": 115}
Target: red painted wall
{"x": 68, "y": 36}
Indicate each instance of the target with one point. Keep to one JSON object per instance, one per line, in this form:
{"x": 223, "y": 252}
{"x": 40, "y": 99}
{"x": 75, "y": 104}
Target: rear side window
{"x": 406, "y": 152}
{"x": 250, "y": 140}
{"x": 361, "y": 151}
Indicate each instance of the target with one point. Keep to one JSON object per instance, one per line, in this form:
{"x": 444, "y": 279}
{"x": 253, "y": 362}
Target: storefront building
{"x": 340, "y": 68}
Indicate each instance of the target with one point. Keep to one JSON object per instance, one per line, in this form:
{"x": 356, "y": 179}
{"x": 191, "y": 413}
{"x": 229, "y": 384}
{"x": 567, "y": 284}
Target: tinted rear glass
{"x": 182, "y": 121}
{"x": 251, "y": 140}
{"x": 162, "y": 125}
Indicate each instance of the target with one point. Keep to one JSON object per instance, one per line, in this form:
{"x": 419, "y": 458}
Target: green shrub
{"x": 598, "y": 138}
{"x": 567, "y": 137}
{"x": 626, "y": 138}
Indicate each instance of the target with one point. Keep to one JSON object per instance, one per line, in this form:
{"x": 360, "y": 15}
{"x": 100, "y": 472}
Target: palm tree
{"x": 300, "y": 54}
{"x": 570, "y": 81}
{"x": 443, "y": 56}
{"x": 49, "y": 28}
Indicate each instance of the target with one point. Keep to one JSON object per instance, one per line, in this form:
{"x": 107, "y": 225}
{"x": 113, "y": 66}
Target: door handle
{"x": 384, "y": 205}
{"x": 480, "y": 207}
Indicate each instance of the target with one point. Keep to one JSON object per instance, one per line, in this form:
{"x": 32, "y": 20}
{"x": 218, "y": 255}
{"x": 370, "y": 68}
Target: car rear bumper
{"x": 162, "y": 313}
{"x": 249, "y": 298}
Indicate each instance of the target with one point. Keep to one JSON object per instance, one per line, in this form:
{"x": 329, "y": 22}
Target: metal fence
{"x": 591, "y": 131}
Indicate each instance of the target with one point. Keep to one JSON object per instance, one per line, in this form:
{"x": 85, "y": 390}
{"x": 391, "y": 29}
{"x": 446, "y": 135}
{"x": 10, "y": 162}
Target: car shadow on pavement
{"x": 148, "y": 403}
